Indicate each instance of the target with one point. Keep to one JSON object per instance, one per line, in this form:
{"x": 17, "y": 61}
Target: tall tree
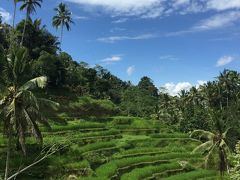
{"x": 20, "y": 108}
{"x": 62, "y": 19}
{"x": 215, "y": 143}
{"x": 30, "y": 7}
{"x": 14, "y": 12}
{"x": 37, "y": 39}
{"x": 147, "y": 84}
{"x": 0, "y": 19}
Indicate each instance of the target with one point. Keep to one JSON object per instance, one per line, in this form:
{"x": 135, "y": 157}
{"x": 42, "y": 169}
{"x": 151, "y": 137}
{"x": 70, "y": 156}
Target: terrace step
{"x": 149, "y": 172}
{"x": 197, "y": 174}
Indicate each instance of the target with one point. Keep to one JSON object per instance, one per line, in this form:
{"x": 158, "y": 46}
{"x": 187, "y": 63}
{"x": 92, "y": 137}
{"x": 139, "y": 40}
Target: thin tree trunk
{"x": 13, "y": 24}
{"x": 14, "y": 13}
{"x": 8, "y": 155}
{"x": 61, "y": 37}
{"x": 24, "y": 29}
{"x": 49, "y": 153}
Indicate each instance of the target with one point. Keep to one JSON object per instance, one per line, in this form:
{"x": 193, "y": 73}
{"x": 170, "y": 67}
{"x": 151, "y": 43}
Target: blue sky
{"x": 178, "y": 43}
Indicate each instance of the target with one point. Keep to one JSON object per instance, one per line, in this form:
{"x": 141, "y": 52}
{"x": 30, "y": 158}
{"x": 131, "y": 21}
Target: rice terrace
{"x": 119, "y": 90}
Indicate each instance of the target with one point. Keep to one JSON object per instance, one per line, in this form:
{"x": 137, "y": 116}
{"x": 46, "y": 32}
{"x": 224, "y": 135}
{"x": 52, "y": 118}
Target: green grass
{"x": 149, "y": 171}
{"x": 169, "y": 135}
{"x": 75, "y": 125}
{"x": 201, "y": 173}
{"x": 76, "y": 149}
{"x": 109, "y": 169}
{"x": 118, "y": 148}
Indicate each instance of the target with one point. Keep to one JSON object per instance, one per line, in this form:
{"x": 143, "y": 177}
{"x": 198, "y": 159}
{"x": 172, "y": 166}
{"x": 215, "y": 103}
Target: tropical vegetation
{"x": 90, "y": 124}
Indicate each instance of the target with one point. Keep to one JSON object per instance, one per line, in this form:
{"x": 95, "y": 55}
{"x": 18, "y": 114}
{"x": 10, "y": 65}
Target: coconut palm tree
{"x": 62, "y": 18}
{"x": 30, "y": 7}
{"x": 20, "y": 108}
{"x": 214, "y": 143}
{"x": 14, "y": 12}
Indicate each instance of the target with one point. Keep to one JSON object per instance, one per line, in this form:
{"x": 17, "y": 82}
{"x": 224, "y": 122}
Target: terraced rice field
{"x": 119, "y": 149}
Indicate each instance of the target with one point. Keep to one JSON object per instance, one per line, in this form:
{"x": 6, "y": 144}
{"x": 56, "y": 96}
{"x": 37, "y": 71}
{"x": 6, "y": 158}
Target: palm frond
{"x": 36, "y": 131}
{"x": 39, "y": 82}
{"x": 202, "y": 134}
{"x": 48, "y": 103}
{"x": 203, "y": 147}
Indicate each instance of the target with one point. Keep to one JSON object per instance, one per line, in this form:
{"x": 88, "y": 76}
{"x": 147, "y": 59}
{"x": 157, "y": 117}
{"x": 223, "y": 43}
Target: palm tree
{"x": 215, "y": 142}
{"x": 14, "y": 12}
{"x": 62, "y": 18}
{"x": 20, "y": 109}
{"x": 30, "y": 7}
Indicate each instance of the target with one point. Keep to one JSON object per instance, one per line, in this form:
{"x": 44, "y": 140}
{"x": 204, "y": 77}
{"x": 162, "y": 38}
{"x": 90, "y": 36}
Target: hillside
{"x": 123, "y": 148}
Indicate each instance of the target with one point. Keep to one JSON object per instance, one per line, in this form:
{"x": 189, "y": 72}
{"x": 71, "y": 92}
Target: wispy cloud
{"x": 111, "y": 60}
{"x": 123, "y": 7}
{"x": 130, "y": 70}
{"x": 117, "y": 29}
{"x": 223, "y": 4}
{"x": 156, "y": 8}
{"x": 113, "y": 39}
{"x": 218, "y": 21}
{"x": 80, "y": 17}
{"x": 168, "y": 57}
{"x": 224, "y": 61}
{"x": 122, "y": 20}
{"x": 6, "y": 16}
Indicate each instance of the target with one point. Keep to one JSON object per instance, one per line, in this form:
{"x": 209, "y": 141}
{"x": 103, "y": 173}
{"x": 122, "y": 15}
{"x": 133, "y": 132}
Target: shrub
{"x": 235, "y": 171}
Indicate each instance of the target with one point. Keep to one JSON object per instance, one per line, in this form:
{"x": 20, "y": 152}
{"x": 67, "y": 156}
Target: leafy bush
{"x": 235, "y": 171}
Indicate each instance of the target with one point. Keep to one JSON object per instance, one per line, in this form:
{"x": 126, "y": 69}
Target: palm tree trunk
{"x": 24, "y": 29}
{"x": 8, "y": 155}
{"x": 61, "y": 37}
{"x": 14, "y": 13}
{"x": 13, "y": 23}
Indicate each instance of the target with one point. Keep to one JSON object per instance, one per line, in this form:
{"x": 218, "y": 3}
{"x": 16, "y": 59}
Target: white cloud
{"x": 6, "y": 16}
{"x": 223, "y": 4}
{"x": 130, "y": 70}
{"x": 224, "y": 61}
{"x": 126, "y": 7}
{"x": 174, "y": 89}
{"x": 218, "y": 21}
{"x": 200, "y": 83}
{"x": 156, "y": 8}
{"x": 181, "y": 2}
{"x": 111, "y": 60}
{"x": 113, "y": 39}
